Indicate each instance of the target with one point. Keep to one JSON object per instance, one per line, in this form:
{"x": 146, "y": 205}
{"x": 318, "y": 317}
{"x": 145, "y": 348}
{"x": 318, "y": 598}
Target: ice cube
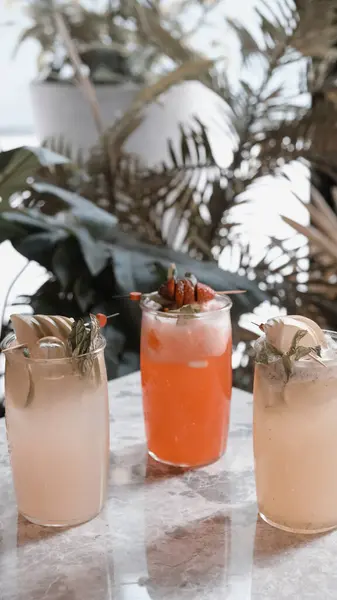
{"x": 49, "y": 347}
{"x": 199, "y": 339}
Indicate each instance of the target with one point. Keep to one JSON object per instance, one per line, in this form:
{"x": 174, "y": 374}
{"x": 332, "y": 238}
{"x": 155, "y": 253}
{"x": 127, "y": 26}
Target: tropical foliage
{"x": 89, "y": 256}
{"x": 186, "y": 209}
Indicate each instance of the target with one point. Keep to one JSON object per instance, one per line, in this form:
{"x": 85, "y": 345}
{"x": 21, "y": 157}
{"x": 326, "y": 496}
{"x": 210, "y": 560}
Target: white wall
{"x": 15, "y": 74}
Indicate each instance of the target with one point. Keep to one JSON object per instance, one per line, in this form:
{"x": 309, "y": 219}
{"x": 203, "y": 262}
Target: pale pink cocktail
{"x": 58, "y": 434}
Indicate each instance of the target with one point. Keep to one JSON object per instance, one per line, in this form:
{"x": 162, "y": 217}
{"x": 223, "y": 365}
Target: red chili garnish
{"x": 179, "y": 293}
{"x": 204, "y": 293}
{"x": 186, "y": 291}
{"x": 171, "y": 287}
{"x": 189, "y": 292}
{"x": 102, "y": 319}
{"x": 167, "y": 289}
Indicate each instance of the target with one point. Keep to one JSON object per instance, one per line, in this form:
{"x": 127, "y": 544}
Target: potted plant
{"x": 123, "y": 47}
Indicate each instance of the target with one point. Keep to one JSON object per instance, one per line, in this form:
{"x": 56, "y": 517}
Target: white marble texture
{"x": 164, "y": 534}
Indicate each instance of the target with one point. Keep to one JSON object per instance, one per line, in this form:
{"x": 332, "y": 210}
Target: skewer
{"x": 13, "y": 348}
{"x": 317, "y": 359}
{"x": 136, "y": 296}
{"x": 232, "y": 292}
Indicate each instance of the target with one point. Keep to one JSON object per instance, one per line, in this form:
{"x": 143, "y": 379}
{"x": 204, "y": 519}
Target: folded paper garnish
{"x": 289, "y": 339}
{"x": 53, "y": 337}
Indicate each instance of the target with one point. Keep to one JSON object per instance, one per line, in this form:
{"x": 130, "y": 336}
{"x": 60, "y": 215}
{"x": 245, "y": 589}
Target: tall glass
{"x": 187, "y": 381}
{"x": 57, "y": 422}
{"x": 295, "y": 445}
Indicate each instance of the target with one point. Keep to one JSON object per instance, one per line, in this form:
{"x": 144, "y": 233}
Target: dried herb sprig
{"x": 267, "y": 353}
{"x": 84, "y": 338}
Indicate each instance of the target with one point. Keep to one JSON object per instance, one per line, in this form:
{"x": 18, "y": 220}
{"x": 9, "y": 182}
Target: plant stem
{"x": 90, "y": 94}
{"x": 6, "y": 301}
{"x": 88, "y": 87}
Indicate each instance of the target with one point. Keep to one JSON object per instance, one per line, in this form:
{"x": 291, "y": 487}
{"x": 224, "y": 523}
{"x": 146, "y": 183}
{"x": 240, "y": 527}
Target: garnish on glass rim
{"x": 175, "y": 293}
{"x": 83, "y": 339}
{"x": 267, "y": 353}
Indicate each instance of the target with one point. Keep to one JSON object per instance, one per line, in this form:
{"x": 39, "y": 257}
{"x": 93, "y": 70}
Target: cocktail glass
{"x": 57, "y": 422}
{"x": 187, "y": 381}
{"x": 295, "y": 445}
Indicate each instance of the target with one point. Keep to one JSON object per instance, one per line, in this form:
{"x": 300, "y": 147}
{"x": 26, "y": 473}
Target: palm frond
{"x": 317, "y": 294}
{"x": 123, "y": 127}
{"x": 316, "y": 31}
{"x": 180, "y": 204}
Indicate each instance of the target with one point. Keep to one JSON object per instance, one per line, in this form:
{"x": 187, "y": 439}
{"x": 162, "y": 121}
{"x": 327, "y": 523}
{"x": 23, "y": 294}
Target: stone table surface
{"x": 164, "y": 534}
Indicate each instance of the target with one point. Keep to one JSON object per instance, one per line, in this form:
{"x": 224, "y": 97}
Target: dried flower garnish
{"x": 266, "y": 353}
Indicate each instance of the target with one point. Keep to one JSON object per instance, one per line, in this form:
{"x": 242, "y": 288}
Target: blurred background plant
{"x": 110, "y": 224}
{"x": 117, "y": 41}
{"x": 122, "y": 47}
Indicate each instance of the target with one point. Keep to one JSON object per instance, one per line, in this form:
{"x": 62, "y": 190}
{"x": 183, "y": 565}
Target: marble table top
{"x": 164, "y": 534}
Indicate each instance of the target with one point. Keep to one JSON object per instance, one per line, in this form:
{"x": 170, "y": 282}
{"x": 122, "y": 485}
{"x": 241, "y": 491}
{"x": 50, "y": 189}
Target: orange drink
{"x": 186, "y": 381}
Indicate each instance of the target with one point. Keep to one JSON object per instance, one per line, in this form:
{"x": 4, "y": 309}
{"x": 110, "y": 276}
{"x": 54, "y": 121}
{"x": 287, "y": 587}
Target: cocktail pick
{"x": 137, "y": 296}
{"x": 317, "y": 359}
{"x": 231, "y": 292}
{"x": 103, "y": 319}
{"x": 11, "y": 348}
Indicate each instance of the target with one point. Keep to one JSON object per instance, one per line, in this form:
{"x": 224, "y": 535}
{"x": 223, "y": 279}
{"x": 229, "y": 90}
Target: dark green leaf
{"x": 84, "y": 293}
{"x": 74, "y": 201}
{"x": 10, "y": 231}
{"x": 95, "y": 254}
{"x": 32, "y": 220}
{"x": 69, "y": 267}
{"x": 160, "y": 271}
{"x": 39, "y": 246}
{"x": 65, "y": 265}
{"x": 20, "y": 163}
{"x": 82, "y": 212}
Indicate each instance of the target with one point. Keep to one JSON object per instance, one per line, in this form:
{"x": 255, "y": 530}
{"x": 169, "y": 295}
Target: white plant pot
{"x": 60, "y": 110}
